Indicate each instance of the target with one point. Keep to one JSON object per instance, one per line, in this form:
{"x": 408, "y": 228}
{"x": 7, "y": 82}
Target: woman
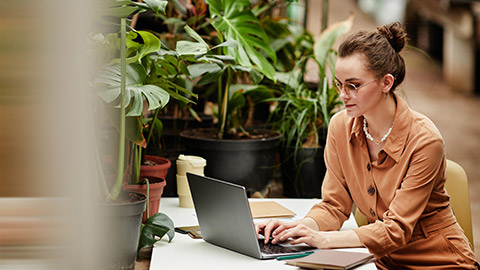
{"x": 388, "y": 160}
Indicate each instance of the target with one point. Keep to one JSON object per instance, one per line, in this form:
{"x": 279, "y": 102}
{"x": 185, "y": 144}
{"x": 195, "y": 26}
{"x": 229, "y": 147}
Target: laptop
{"x": 225, "y": 219}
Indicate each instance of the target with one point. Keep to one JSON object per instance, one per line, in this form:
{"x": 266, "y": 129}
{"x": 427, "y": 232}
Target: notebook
{"x": 269, "y": 209}
{"x": 225, "y": 219}
{"x": 332, "y": 259}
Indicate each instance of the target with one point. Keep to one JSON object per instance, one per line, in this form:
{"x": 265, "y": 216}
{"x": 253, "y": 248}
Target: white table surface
{"x": 187, "y": 253}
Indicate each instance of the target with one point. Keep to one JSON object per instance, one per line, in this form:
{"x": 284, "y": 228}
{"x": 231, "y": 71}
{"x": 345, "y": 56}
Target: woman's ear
{"x": 387, "y": 82}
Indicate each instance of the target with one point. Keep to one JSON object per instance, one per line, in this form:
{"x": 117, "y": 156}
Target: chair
{"x": 457, "y": 187}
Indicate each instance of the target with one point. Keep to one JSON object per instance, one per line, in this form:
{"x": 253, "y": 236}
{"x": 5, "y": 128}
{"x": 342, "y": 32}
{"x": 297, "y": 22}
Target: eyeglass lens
{"x": 349, "y": 88}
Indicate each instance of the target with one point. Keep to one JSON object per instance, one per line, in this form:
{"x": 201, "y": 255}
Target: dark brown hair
{"x": 382, "y": 49}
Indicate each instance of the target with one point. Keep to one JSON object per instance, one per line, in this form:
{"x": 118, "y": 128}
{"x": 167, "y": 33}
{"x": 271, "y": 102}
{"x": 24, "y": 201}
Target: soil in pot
{"x": 154, "y": 166}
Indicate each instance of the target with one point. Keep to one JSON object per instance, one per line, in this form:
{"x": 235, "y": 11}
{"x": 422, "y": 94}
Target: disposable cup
{"x": 183, "y": 190}
{"x": 192, "y": 164}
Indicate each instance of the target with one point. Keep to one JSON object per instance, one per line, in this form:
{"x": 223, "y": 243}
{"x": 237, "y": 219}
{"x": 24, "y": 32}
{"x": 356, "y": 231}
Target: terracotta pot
{"x": 156, "y": 190}
{"x": 159, "y": 170}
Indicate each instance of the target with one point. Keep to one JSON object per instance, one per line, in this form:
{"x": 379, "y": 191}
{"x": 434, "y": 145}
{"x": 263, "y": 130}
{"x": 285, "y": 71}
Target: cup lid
{"x": 195, "y": 161}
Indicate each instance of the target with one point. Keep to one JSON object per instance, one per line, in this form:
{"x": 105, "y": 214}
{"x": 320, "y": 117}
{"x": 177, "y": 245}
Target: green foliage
{"x": 303, "y": 112}
{"x": 211, "y": 68}
{"x": 326, "y": 40}
{"x": 154, "y": 229}
{"x": 109, "y": 89}
{"x": 122, "y": 9}
{"x": 135, "y": 69}
{"x": 234, "y": 20}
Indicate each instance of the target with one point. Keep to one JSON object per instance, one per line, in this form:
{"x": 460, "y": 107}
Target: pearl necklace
{"x": 370, "y": 136}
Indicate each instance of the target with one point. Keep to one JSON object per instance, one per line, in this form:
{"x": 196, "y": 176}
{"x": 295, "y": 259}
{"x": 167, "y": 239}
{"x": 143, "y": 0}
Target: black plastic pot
{"x": 303, "y": 176}
{"x": 121, "y": 231}
{"x": 247, "y": 162}
{"x": 173, "y": 145}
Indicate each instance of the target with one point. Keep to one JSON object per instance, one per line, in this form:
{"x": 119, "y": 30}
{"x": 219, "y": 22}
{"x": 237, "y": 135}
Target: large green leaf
{"x": 328, "y": 37}
{"x": 199, "y": 69}
{"x": 151, "y": 43}
{"x": 156, "y": 226}
{"x": 210, "y": 72}
{"x": 133, "y": 126}
{"x": 125, "y": 8}
{"x": 156, "y": 6}
{"x": 195, "y": 36}
{"x": 235, "y": 21}
{"x": 185, "y": 47}
{"x": 108, "y": 83}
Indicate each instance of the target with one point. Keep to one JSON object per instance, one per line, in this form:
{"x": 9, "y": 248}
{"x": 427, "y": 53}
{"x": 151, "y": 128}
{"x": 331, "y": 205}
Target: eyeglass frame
{"x": 355, "y": 88}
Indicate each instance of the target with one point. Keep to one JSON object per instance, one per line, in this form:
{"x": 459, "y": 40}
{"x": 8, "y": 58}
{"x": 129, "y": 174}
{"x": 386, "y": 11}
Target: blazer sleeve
{"x": 335, "y": 207}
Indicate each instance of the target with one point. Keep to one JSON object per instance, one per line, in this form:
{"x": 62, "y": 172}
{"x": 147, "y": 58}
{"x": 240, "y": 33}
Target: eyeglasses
{"x": 350, "y": 89}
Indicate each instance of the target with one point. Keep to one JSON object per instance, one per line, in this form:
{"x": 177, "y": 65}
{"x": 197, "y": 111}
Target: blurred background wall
{"x": 46, "y": 178}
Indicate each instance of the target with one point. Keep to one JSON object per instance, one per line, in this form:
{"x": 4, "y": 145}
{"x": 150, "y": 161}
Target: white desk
{"x": 185, "y": 253}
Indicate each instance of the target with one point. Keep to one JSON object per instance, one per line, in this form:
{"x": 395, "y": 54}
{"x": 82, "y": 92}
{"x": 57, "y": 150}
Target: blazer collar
{"x": 401, "y": 128}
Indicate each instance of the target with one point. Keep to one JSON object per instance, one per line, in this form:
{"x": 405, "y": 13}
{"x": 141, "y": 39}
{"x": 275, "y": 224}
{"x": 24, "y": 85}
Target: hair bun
{"x": 395, "y": 34}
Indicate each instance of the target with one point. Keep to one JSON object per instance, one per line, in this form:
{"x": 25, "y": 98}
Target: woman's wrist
{"x": 341, "y": 239}
{"x": 310, "y": 222}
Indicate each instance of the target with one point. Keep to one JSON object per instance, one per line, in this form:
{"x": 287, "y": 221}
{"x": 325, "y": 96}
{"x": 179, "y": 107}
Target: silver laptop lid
{"x": 224, "y": 214}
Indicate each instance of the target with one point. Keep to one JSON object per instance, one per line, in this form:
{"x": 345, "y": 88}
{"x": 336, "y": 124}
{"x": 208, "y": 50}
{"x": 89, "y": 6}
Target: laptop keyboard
{"x": 270, "y": 248}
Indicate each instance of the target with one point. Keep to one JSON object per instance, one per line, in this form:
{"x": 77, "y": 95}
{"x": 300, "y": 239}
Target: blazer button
{"x": 371, "y": 190}
{"x": 369, "y": 167}
{"x": 372, "y": 212}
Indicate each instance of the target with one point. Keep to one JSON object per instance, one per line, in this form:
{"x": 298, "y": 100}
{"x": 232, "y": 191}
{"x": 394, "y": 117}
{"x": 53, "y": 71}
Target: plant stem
{"x": 98, "y": 162}
{"x": 324, "y": 14}
{"x": 150, "y": 132}
{"x": 138, "y": 162}
{"x": 148, "y": 196}
{"x": 121, "y": 148}
{"x": 223, "y": 114}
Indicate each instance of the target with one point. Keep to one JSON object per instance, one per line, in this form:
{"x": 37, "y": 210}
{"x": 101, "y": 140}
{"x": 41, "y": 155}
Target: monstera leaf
{"x": 150, "y": 44}
{"x": 124, "y": 8}
{"x": 155, "y": 226}
{"x": 234, "y": 20}
{"x": 109, "y": 80}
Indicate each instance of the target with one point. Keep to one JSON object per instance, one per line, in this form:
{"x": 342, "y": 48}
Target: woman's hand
{"x": 299, "y": 233}
{"x": 276, "y": 228}
{"x": 272, "y": 227}
{"x": 304, "y": 231}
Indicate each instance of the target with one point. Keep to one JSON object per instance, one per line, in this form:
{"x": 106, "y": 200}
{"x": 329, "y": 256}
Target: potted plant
{"x": 150, "y": 87}
{"x": 302, "y": 114}
{"x": 234, "y": 66}
{"x": 123, "y": 84}
{"x": 226, "y": 77}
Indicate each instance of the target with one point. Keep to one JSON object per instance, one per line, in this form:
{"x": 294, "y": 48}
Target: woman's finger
{"x": 270, "y": 226}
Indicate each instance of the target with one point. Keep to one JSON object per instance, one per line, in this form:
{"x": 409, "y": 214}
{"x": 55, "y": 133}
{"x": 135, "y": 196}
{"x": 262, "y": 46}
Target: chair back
{"x": 457, "y": 187}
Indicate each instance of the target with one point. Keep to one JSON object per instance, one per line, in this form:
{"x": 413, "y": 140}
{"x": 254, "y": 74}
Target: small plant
{"x": 302, "y": 113}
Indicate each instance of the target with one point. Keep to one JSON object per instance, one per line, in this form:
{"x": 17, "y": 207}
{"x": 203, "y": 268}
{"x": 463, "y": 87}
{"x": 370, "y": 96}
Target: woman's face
{"x": 351, "y": 73}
